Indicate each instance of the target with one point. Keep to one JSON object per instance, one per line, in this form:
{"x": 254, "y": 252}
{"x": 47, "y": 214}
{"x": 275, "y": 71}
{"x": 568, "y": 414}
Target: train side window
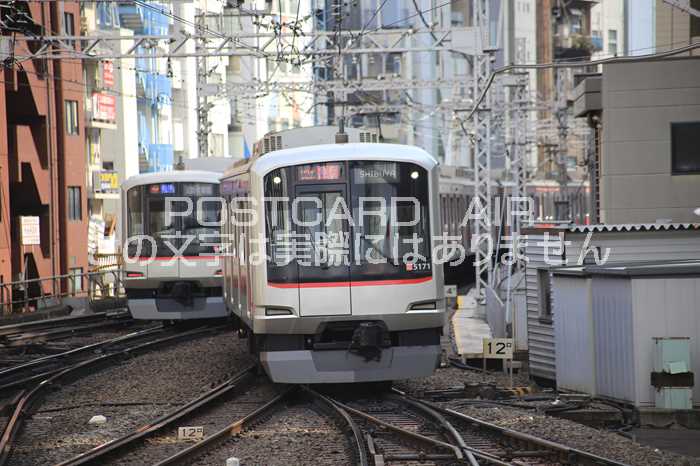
{"x": 135, "y": 211}
{"x": 545, "y": 295}
{"x": 278, "y": 227}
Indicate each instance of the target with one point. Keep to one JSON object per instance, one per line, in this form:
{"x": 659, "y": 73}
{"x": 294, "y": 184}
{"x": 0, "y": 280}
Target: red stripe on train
{"x": 167, "y": 258}
{"x": 405, "y": 281}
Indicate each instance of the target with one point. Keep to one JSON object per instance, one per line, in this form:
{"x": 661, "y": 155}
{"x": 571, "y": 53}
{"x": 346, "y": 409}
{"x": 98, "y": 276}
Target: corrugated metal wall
{"x": 625, "y": 246}
{"x": 638, "y": 246}
{"x": 540, "y": 333}
{"x": 613, "y": 330}
{"x": 574, "y": 336}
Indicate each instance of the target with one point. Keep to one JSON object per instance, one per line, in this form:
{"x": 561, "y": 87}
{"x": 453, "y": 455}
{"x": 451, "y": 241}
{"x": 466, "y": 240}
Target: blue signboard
{"x": 167, "y": 188}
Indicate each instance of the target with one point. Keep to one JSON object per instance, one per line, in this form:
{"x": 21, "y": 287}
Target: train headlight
{"x": 277, "y": 180}
{"x": 272, "y": 311}
{"x": 424, "y": 306}
{"x": 414, "y": 175}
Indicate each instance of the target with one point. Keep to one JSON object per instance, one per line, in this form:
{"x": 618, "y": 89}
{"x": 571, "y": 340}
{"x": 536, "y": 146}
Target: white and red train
{"x": 172, "y": 267}
{"x": 351, "y": 303}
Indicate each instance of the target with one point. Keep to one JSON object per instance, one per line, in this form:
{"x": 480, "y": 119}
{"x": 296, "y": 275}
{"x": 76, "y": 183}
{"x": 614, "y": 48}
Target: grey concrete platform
{"x": 470, "y": 327}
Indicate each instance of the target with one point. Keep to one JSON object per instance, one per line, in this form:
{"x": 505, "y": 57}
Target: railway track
{"x": 240, "y": 395}
{"x": 38, "y": 369}
{"x": 237, "y": 421}
{"x": 238, "y": 404}
{"x": 40, "y": 331}
{"x": 398, "y": 430}
{"x": 113, "y": 350}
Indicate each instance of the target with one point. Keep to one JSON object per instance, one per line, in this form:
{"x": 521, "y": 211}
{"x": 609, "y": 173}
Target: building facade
{"x": 111, "y": 129}
{"x": 647, "y": 115}
{"x": 43, "y": 201}
{"x": 153, "y": 88}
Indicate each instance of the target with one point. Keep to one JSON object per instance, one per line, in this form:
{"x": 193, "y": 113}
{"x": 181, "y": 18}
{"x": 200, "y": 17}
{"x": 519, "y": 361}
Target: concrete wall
{"x": 671, "y": 27}
{"x": 640, "y": 100}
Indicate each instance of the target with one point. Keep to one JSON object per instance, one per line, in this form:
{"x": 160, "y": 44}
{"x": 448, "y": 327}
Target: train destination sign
{"x": 378, "y": 172}
{"x": 320, "y": 172}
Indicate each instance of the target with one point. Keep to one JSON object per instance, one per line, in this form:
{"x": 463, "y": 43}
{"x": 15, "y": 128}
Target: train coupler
{"x": 368, "y": 339}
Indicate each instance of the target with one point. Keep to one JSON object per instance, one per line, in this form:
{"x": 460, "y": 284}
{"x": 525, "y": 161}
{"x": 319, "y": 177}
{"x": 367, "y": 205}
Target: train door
{"x": 163, "y": 231}
{"x": 322, "y": 250}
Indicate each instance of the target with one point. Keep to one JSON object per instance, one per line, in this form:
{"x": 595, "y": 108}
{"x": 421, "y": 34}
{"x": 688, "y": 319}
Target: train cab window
{"x": 203, "y": 226}
{"x": 158, "y": 225}
{"x": 392, "y": 234}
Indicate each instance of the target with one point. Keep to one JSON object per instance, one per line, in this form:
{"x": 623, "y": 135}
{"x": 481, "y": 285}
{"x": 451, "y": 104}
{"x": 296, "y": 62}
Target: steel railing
{"x": 105, "y": 282}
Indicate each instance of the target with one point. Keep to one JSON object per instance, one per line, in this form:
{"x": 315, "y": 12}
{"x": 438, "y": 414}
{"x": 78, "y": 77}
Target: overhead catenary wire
{"x": 575, "y": 64}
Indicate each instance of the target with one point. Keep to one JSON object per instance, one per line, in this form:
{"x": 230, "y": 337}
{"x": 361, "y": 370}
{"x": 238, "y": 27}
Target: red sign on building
{"x": 104, "y": 107}
{"x": 108, "y": 74}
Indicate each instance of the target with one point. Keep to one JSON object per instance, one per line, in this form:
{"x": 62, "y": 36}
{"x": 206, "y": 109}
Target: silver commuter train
{"x": 363, "y": 320}
{"x": 177, "y": 274}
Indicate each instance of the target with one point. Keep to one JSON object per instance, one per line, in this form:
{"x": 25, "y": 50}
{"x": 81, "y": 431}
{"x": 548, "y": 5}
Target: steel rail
{"x": 234, "y": 428}
{"x": 569, "y": 454}
{"x": 457, "y": 452}
{"x": 25, "y": 402}
{"x": 52, "y": 358}
{"x": 101, "y": 451}
{"x": 20, "y": 339}
{"x": 446, "y": 426}
{"x": 354, "y": 430}
{"x": 9, "y": 329}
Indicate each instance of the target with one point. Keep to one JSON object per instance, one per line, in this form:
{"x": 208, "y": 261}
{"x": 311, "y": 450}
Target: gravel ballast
{"x": 129, "y": 395}
{"x": 293, "y": 436}
{"x": 599, "y": 442}
{"x": 452, "y": 377}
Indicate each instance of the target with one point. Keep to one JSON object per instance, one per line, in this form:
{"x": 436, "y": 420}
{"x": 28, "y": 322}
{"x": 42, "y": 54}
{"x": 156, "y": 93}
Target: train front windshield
{"x": 158, "y": 211}
{"x": 347, "y": 221}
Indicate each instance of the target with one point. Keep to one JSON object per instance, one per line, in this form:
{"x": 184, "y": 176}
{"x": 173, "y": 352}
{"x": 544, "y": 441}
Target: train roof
{"x": 334, "y": 152}
{"x": 175, "y": 176}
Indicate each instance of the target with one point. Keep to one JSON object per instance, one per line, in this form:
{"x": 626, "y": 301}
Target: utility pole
{"x": 202, "y": 100}
{"x": 481, "y": 122}
{"x": 519, "y": 102}
{"x": 562, "y": 116}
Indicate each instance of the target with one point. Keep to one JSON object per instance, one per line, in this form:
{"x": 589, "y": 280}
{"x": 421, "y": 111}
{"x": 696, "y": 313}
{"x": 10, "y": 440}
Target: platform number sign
{"x": 498, "y": 348}
{"x": 190, "y": 433}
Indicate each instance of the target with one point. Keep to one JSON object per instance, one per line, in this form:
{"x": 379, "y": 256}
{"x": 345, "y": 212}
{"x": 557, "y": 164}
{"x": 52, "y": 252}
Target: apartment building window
{"x": 69, "y": 27}
{"x": 612, "y": 41}
{"x": 75, "y": 206}
{"x": 694, "y": 20}
{"x": 685, "y": 154}
{"x": 545, "y": 295}
{"x": 71, "y": 117}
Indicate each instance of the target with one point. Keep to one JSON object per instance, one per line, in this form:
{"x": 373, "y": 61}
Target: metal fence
{"x": 103, "y": 282}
